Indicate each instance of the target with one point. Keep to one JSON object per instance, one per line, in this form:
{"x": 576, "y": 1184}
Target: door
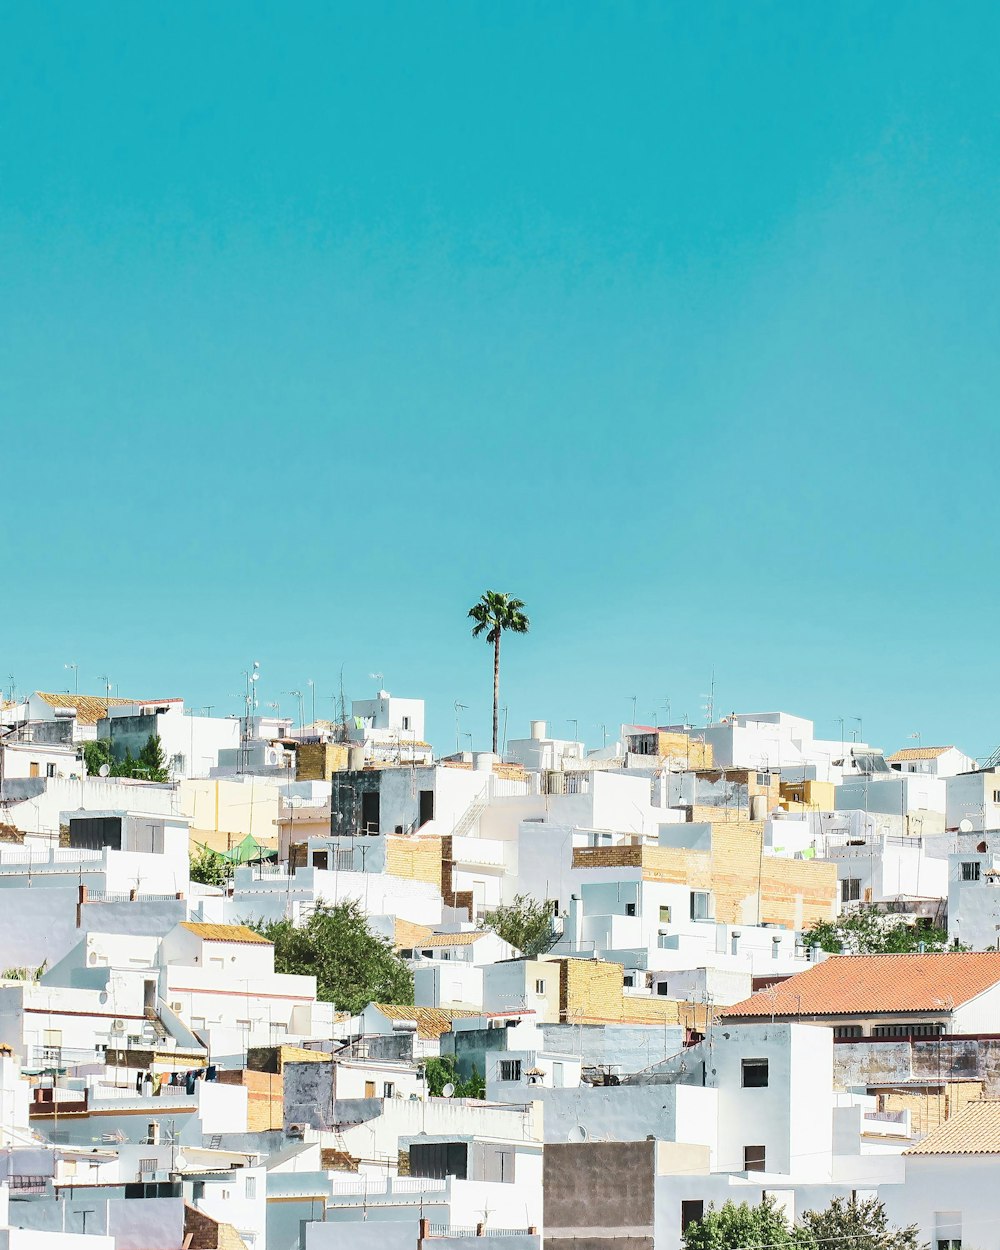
{"x": 370, "y": 812}
{"x": 426, "y": 807}
{"x": 369, "y": 1089}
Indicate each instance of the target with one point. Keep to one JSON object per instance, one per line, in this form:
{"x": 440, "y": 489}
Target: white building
{"x": 540, "y": 753}
{"x": 191, "y": 744}
{"x": 935, "y": 761}
{"x": 390, "y": 729}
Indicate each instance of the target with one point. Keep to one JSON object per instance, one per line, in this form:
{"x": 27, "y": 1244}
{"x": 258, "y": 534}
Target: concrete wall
{"x": 600, "y": 1194}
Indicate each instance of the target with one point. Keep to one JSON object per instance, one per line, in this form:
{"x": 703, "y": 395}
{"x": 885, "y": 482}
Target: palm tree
{"x": 496, "y": 612}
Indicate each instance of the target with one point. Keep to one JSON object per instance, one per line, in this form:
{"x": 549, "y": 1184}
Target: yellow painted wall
{"x": 807, "y": 796}
{"x": 223, "y": 812}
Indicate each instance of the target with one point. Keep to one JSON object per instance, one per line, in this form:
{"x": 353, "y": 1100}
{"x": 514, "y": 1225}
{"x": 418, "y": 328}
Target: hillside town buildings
{"x": 671, "y": 1039}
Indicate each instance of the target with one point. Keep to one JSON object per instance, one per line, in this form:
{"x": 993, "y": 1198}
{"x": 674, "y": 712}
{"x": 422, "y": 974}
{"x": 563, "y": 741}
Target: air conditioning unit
{"x": 117, "y": 1026}
{"x": 176, "y": 1005}
{"x": 272, "y": 757}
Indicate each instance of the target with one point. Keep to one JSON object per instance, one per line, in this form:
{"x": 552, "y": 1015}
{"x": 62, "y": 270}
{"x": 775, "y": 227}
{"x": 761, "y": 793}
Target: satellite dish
{"x": 577, "y": 1134}
{"x": 105, "y": 770}
{"x": 448, "y": 1090}
{"x": 965, "y": 825}
{"x": 180, "y": 1163}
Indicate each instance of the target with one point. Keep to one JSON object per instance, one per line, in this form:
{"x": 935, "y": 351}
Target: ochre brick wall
{"x": 793, "y": 892}
{"x": 706, "y": 814}
{"x": 930, "y": 1107}
{"x": 592, "y": 991}
{"x": 316, "y": 761}
{"x": 685, "y": 750}
{"x": 201, "y": 1232}
{"x": 265, "y": 1097}
{"x": 416, "y": 859}
{"x": 274, "y": 1058}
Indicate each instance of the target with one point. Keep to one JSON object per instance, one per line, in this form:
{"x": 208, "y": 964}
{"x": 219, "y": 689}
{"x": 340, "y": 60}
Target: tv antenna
{"x": 459, "y": 709}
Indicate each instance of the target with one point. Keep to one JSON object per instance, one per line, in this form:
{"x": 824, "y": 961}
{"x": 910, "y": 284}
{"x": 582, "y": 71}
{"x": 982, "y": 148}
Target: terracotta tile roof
{"x": 916, "y": 753}
{"x": 406, "y": 934}
{"x": 430, "y": 1021}
{"x": 225, "y": 933}
{"x": 89, "y": 708}
{"x": 851, "y": 985}
{"x": 975, "y": 1130}
{"x": 451, "y": 939}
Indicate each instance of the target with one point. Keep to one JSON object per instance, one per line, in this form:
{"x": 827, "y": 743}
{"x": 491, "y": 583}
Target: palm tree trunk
{"x": 496, "y": 689}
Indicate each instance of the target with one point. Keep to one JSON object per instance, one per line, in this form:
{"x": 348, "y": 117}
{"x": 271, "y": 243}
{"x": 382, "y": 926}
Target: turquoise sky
{"x": 680, "y": 321}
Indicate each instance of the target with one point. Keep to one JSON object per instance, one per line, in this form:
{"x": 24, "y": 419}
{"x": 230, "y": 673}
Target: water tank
{"x": 483, "y": 761}
{"x": 355, "y": 758}
{"x": 538, "y": 730}
{"x": 758, "y": 807}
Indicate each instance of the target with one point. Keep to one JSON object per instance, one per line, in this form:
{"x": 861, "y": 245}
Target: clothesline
{"x": 150, "y": 1083}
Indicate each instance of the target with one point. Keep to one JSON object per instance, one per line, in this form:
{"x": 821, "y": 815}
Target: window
{"x": 33, "y": 769}
{"x": 197, "y": 1022}
{"x": 540, "y": 986}
{"x": 630, "y": 909}
{"x": 52, "y": 1037}
{"x": 251, "y": 1187}
{"x": 753, "y": 1158}
{"x": 850, "y": 889}
{"x": 754, "y": 1073}
{"x": 665, "y": 914}
{"x": 50, "y": 770}
{"x": 692, "y": 1210}
{"x": 847, "y": 1030}
{"x": 388, "y": 1089}
{"x": 763, "y": 779}
{"x": 147, "y": 1165}
{"x": 406, "y": 722}
{"x": 944, "y": 1244}
{"x": 700, "y": 905}
{"x": 243, "y": 1024}
{"x": 996, "y": 796}
{"x": 510, "y": 1069}
{"x": 628, "y": 980}
{"x": 661, "y": 988}
{"x": 970, "y": 870}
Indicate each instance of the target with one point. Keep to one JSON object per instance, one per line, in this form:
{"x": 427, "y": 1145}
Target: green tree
{"x": 440, "y": 1071}
{"x": 95, "y": 755}
{"x": 867, "y": 931}
{"x": 497, "y": 613}
{"x": 150, "y": 766}
{"x": 208, "y": 867}
{"x": 740, "y": 1227}
{"x": 352, "y": 966}
{"x": 525, "y": 923}
{"x": 857, "y": 1224}
{"x": 152, "y": 763}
